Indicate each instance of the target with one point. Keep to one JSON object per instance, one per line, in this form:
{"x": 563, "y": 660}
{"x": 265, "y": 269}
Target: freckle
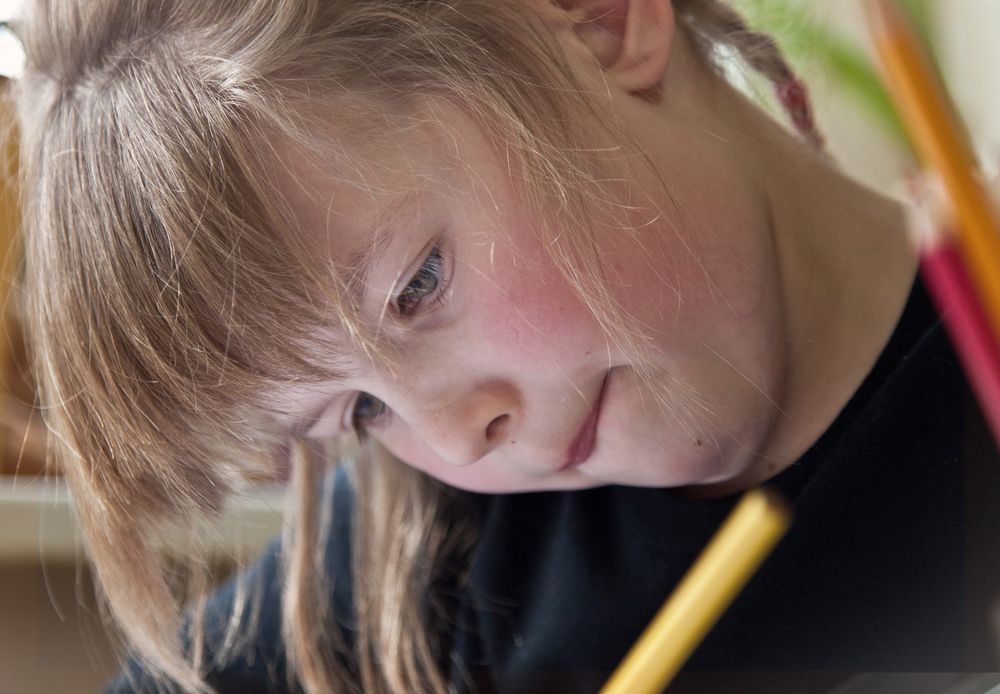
{"x": 697, "y": 442}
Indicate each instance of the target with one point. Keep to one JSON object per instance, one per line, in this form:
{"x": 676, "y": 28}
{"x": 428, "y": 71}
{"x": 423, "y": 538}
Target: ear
{"x": 632, "y": 39}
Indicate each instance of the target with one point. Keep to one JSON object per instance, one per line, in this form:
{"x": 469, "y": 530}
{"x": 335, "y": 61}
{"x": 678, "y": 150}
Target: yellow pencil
{"x": 724, "y": 567}
{"x": 940, "y": 141}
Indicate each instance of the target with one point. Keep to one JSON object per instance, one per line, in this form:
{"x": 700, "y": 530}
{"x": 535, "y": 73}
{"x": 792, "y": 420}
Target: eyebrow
{"x": 361, "y": 262}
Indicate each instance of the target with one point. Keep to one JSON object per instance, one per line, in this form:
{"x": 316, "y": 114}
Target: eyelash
{"x": 359, "y": 422}
{"x": 431, "y": 272}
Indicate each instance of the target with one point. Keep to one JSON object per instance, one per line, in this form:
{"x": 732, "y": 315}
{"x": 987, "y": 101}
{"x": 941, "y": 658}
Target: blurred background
{"x": 52, "y": 635}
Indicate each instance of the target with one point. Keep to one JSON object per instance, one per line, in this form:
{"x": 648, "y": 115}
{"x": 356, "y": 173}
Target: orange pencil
{"x": 940, "y": 141}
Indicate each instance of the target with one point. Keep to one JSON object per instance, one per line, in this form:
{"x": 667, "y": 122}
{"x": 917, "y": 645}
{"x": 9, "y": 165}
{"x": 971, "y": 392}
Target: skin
{"x": 766, "y": 282}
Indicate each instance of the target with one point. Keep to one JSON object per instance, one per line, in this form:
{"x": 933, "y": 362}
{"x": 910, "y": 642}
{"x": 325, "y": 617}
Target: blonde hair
{"x": 150, "y": 235}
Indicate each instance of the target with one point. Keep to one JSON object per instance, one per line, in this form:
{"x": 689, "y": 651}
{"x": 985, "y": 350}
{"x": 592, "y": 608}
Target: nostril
{"x": 497, "y": 427}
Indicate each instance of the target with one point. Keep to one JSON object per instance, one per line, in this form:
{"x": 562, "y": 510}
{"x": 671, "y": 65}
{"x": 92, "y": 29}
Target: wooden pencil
{"x": 720, "y": 572}
{"x": 939, "y": 139}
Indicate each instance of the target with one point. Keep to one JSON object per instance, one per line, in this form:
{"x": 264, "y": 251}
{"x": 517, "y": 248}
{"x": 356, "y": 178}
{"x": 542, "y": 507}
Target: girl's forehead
{"x": 346, "y": 193}
{"x": 436, "y": 143}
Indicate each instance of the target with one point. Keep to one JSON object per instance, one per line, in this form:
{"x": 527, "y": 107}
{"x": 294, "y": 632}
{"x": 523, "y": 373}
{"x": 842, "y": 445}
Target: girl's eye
{"x": 427, "y": 280}
{"x": 367, "y": 411}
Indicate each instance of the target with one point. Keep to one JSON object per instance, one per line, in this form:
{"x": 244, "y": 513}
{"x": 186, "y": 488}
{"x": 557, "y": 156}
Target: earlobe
{"x": 632, "y": 39}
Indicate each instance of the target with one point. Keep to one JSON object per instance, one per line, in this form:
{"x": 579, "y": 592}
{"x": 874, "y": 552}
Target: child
{"x": 466, "y": 251}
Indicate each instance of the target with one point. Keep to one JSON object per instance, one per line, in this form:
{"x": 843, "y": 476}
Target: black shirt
{"x": 890, "y": 564}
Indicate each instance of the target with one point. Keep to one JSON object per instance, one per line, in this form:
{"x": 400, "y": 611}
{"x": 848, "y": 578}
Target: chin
{"x": 562, "y": 482}
{"x": 698, "y": 465}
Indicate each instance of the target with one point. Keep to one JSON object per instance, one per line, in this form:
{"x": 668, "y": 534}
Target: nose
{"x": 467, "y": 427}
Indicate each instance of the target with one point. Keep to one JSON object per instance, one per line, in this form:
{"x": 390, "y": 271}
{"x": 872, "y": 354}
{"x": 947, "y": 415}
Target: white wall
{"x": 969, "y": 36}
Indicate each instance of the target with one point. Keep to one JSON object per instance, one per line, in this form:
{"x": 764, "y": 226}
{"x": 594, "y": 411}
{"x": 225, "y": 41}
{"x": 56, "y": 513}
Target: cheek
{"x": 411, "y": 449}
{"x": 529, "y": 310}
{"x": 691, "y": 282}
{"x": 408, "y": 446}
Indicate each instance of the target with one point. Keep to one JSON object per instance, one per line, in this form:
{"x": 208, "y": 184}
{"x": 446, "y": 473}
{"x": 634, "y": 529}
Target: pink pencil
{"x": 947, "y": 280}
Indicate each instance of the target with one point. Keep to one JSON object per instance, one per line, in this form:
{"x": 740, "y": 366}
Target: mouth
{"x": 583, "y": 442}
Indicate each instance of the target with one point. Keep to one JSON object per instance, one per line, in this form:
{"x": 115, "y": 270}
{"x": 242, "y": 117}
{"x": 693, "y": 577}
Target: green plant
{"x": 810, "y": 44}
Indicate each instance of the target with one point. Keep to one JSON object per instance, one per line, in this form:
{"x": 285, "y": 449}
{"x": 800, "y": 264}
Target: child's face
{"x": 503, "y": 380}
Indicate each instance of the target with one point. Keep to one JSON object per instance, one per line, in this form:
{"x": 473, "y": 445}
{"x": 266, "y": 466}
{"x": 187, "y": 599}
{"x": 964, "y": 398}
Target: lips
{"x": 583, "y": 442}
